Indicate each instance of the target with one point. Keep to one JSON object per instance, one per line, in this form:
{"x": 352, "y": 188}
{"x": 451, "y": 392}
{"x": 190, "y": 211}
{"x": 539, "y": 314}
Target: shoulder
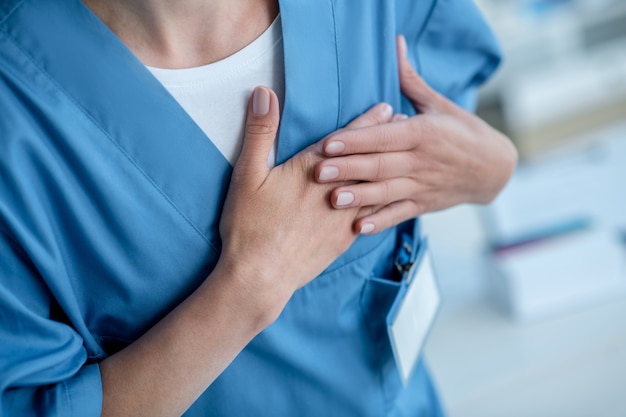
{"x": 450, "y": 43}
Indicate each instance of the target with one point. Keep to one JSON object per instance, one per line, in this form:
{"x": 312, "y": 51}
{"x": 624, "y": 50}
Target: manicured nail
{"x": 261, "y": 101}
{"x": 387, "y": 110}
{"x": 345, "y": 198}
{"x": 367, "y": 228}
{"x": 334, "y": 148}
{"x": 328, "y": 173}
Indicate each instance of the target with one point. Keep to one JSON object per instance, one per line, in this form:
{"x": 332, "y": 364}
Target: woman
{"x": 130, "y": 284}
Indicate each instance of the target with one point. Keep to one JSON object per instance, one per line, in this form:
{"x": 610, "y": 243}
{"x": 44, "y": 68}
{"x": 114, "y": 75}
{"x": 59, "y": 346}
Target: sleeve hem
{"x": 84, "y": 393}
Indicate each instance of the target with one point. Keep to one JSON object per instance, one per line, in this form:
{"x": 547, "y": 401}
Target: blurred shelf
{"x": 564, "y": 70}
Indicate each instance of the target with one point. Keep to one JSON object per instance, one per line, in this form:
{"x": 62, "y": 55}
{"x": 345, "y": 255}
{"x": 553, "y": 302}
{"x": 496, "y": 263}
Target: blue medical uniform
{"x": 110, "y": 199}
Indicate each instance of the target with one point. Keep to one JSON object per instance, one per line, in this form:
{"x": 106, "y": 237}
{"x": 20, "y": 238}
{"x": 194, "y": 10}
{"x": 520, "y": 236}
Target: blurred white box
{"x": 556, "y": 232}
{"x": 559, "y": 274}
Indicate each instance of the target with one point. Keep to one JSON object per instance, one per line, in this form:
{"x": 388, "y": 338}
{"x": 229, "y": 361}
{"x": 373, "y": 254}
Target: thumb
{"x": 424, "y": 98}
{"x": 259, "y": 135}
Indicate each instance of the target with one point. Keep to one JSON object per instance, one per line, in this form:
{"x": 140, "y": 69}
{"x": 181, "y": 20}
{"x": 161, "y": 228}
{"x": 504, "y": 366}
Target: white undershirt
{"x": 216, "y": 95}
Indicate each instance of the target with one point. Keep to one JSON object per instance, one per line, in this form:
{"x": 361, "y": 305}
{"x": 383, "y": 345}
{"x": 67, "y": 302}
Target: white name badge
{"x": 413, "y": 312}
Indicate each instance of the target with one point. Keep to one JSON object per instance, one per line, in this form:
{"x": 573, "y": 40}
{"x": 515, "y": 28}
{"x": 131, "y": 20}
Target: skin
{"x": 278, "y": 210}
{"x": 165, "y": 370}
{"x": 441, "y": 157}
{"x": 185, "y": 33}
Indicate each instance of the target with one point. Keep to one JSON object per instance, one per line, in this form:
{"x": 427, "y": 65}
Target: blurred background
{"x": 533, "y": 321}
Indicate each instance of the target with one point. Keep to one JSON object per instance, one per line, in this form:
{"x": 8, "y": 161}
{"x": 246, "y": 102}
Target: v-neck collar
{"x": 84, "y": 59}
{"x": 312, "y": 93}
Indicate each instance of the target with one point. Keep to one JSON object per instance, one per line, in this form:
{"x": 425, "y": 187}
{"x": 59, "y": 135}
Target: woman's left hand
{"x": 442, "y": 157}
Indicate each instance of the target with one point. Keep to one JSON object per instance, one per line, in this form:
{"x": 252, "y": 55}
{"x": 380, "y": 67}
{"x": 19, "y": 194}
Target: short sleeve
{"x": 44, "y": 368}
{"x": 455, "y": 50}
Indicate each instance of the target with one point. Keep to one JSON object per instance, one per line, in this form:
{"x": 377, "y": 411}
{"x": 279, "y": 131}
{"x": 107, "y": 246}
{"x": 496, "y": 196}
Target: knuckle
{"x": 380, "y": 168}
{"x": 386, "y": 193}
{"x": 308, "y": 159}
{"x": 306, "y": 164}
{"x": 260, "y": 127}
{"x": 358, "y": 198}
{"x": 382, "y": 140}
{"x": 348, "y": 172}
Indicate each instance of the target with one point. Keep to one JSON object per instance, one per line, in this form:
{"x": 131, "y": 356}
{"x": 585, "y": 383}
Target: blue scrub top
{"x": 110, "y": 199}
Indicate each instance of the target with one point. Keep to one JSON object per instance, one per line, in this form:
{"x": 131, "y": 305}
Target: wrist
{"x": 254, "y": 293}
{"x": 494, "y": 169}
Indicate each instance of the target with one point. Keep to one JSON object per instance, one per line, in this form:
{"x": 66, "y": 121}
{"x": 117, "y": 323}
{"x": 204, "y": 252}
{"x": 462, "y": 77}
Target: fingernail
{"x": 387, "y": 110}
{"x": 399, "y": 117}
{"x": 329, "y": 173}
{"x": 367, "y": 228}
{"x": 261, "y": 101}
{"x": 345, "y": 198}
{"x": 334, "y": 148}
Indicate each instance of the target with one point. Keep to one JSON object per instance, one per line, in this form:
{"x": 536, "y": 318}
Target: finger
{"x": 365, "y": 167}
{"x": 366, "y": 211}
{"x": 366, "y": 194}
{"x": 378, "y": 114}
{"x": 382, "y": 138}
{"x": 388, "y": 216}
{"x": 260, "y": 133}
{"x": 424, "y": 98}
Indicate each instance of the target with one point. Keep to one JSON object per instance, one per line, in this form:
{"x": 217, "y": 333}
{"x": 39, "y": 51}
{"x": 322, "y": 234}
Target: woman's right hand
{"x": 278, "y": 232}
{"x": 278, "y": 228}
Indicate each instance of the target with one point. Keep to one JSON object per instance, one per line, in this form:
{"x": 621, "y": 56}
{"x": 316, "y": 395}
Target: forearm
{"x": 164, "y": 371}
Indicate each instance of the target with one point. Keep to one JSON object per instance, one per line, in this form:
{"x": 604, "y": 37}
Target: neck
{"x": 185, "y": 33}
